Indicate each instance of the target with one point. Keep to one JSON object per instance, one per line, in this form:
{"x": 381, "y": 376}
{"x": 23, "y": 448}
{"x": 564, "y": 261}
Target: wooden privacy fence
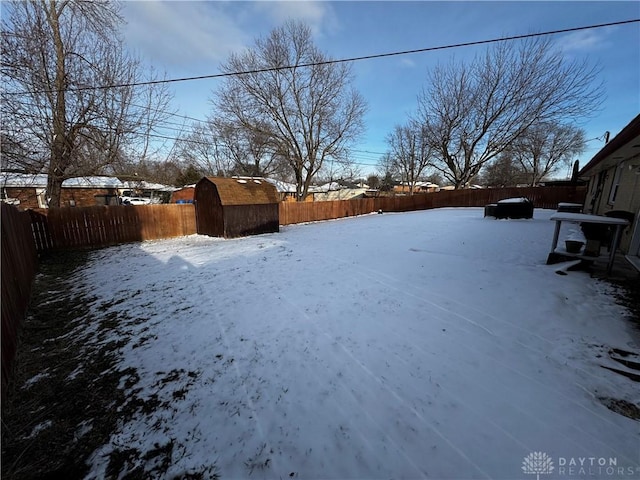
{"x": 97, "y": 226}
{"x": 19, "y": 266}
{"x": 78, "y": 227}
{"x": 542, "y": 197}
{"x": 26, "y": 233}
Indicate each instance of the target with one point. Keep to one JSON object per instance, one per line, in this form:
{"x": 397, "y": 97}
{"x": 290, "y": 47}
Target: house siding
{"x": 627, "y": 198}
{"x": 85, "y": 197}
{"x": 617, "y": 163}
{"x": 186, "y": 194}
{"x": 26, "y": 195}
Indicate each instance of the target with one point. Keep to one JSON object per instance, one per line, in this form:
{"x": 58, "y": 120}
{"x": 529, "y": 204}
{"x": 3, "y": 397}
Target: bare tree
{"x": 61, "y": 62}
{"x": 410, "y": 152}
{"x": 218, "y": 147}
{"x": 305, "y": 107}
{"x": 250, "y": 152}
{"x": 373, "y": 181}
{"x": 545, "y": 147}
{"x": 387, "y": 166}
{"x": 201, "y": 147}
{"x": 471, "y": 113}
{"x": 503, "y": 171}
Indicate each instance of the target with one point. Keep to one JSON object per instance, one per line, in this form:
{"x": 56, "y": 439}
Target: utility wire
{"x": 343, "y": 60}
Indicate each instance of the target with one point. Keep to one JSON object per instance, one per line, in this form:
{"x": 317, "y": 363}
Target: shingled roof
{"x": 234, "y": 191}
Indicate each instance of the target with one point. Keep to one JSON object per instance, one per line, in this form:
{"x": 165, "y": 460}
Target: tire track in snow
{"x": 377, "y": 425}
{"x": 250, "y": 403}
{"x": 374, "y": 276}
{"x": 371, "y": 274}
{"x": 473, "y": 346}
{"x": 471, "y": 380}
{"x": 400, "y": 399}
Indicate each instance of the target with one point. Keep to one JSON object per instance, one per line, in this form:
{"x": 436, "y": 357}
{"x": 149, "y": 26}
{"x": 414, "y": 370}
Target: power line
{"x": 343, "y": 60}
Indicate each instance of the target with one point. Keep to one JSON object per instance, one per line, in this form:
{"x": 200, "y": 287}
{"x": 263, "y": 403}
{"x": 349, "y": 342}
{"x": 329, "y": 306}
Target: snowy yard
{"x": 427, "y": 344}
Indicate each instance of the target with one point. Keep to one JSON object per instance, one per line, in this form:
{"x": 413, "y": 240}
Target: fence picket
{"x": 542, "y": 197}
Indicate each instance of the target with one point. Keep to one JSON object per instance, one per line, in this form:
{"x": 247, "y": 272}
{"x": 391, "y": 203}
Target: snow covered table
{"x": 520, "y": 207}
{"x": 592, "y": 219}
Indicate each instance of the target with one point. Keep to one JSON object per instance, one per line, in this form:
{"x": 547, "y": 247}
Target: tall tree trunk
{"x": 59, "y": 144}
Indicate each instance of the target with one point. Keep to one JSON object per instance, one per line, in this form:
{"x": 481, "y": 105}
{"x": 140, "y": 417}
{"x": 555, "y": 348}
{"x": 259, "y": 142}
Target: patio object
{"x": 573, "y": 246}
{"x": 520, "y": 207}
{"x": 583, "y": 219}
{"x": 570, "y": 207}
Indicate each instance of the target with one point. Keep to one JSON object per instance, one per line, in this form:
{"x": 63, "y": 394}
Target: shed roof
{"x": 236, "y": 191}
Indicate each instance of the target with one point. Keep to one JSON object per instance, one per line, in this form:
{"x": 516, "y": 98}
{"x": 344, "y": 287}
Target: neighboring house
{"x": 184, "y": 194}
{"x": 287, "y": 191}
{"x": 88, "y": 191}
{"x": 154, "y": 192}
{"x": 233, "y": 207}
{"x": 29, "y": 191}
{"x": 337, "y": 191}
{"x": 24, "y": 190}
{"x": 614, "y": 184}
{"x": 420, "y": 187}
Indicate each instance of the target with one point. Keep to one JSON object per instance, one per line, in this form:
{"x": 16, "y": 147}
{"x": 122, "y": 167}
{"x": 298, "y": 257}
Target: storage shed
{"x": 232, "y": 207}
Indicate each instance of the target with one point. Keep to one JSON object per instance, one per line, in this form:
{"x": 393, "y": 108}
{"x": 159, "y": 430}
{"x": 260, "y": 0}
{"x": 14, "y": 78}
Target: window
{"x": 616, "y": 183}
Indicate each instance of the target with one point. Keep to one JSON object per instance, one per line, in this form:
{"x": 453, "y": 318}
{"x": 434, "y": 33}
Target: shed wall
{"x": 241, "y": 220}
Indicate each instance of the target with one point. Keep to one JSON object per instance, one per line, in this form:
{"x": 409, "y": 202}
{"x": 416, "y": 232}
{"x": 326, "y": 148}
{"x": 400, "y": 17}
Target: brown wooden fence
{"x": 26, "y": 233}
{"x": 98, "y": 226}
{"x": 79, "y": 227}
{"x": 542, "y": 197}
{"x": 19, "y": 266}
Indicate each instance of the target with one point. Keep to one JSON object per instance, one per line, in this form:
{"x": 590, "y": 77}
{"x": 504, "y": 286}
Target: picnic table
{"x": 580, "y": 218}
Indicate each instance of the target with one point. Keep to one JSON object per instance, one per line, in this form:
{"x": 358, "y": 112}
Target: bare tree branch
{"x": 410, "y": 152}
{"x": 51, "y": 49}
{"x": 471, "y": 113}
{"x": 545, "y": 147}
{"x": 306, "y": 115}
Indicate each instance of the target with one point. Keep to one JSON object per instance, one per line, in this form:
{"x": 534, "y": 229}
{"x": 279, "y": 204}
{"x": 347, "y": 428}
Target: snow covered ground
{"x": 427, "y": 344}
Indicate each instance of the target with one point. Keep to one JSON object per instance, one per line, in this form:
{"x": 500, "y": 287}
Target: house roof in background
{"x": 23, "y": 180}
{"x": 623, "y": 140}
{"x": 239, "y": 191}
{"x": 93, "y": 182}
{"x": 26, "y": 180}
{"x": 143, "y": 185}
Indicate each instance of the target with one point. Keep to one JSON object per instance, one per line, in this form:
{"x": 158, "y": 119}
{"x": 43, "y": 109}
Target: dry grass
{"x": 67, "y": 395}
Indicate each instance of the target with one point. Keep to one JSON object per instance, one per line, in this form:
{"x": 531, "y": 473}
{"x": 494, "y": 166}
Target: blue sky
{"x": 184, "y": 39}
